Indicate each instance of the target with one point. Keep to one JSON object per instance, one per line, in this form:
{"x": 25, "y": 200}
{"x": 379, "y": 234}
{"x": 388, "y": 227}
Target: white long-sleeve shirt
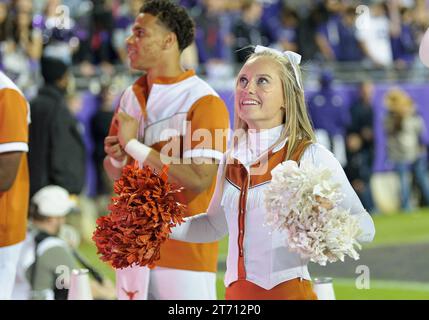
{"x": 262, "y": 253}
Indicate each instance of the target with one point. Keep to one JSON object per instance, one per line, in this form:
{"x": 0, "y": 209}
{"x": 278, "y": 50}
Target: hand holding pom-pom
{"x": 303, "y": 203}
{"x": 141, "y": 218}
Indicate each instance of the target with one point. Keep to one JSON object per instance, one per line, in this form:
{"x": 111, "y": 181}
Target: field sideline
{"x": 396, "y": 229}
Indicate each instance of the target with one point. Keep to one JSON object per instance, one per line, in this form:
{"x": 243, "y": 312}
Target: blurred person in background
{"x": 83, "y": 56}
{"x": 5, "y": 26}
{"x": 212, "y": 35}
{"x": 420, "y": 14}
{"x": 46, "y": 260}
{"x": 58, "y": 27}
{"x": 360, "y": 145}
{"x": 22, "y": 48}
{"x": 123, "y": 24}
{"x": 308, "y": 24}
{"x": 404, "y": 45}
{"x": 57, "y": 154}
{"x": 286, "y": 34}
{"x": 404, "y": 129}
{"x": 270, "y": 17}
{"x": 14, "y": 180}
{"x": 349, "y": 50}
{"x": 247, "y": 30}
{"x": 100, "y": 124}
{"x": 375, "y": 29}
{"x": 95, "y": 32}
{"x": 330, "y": 117}
{"x": 103, "y": 53}
{"x": 327, "y": 36}
{"x": 336, "y": 38}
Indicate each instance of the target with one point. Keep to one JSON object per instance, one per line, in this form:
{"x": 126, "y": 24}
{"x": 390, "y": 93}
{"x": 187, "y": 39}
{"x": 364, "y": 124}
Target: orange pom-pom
{"x": 141, "y": 218}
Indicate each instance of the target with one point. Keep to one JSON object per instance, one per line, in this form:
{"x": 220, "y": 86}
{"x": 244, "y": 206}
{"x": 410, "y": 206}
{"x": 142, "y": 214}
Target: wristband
{"x": 137, "y": 150}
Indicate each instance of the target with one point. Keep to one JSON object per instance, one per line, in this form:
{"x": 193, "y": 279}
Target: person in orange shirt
{"x": 169, "y": 112}
{"x": 14, "y": 180}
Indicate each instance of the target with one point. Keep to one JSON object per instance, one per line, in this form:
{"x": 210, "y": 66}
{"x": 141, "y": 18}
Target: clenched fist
{"x": 113, "y": 149}
{"x": 127, "y": 128}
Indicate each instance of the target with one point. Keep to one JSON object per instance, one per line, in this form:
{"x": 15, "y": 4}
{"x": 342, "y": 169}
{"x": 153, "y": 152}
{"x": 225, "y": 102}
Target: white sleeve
{"x": 206, "y": 227}
{"x": 13, "y": 147}
{"x": 319, "y": 155}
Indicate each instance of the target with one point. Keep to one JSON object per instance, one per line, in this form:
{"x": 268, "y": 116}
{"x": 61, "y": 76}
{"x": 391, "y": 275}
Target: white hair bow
{"x": 293, "y": 57}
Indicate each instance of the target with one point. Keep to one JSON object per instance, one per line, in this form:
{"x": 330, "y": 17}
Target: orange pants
{"x": 295, "y": 289}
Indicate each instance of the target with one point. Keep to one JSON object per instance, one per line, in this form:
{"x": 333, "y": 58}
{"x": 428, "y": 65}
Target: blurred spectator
{"x": 307, "y": 29}
{"x": 328, "y": 33}
{"x": 5, "y": 26}
{"x": 56, "y": 149}
{"x": 360, "y": 145}
{"x": 247, "y": 31}
{"x": 404, "y": 128}
{"x": 58, "y": 31}
{"x": 286, "y": 34}
{"x": 95, "y": 33}
{"x": 41, "y": 273}
{"x": 330, "y": 117}
{"x": 101, "y": 45}
{"x": 404, "y": 45}
{"x": 22, "y": 48}
{"x": 94, "y": 38}
{"x": 26, "y": 37}
{"x": 212, "y": 33}
{"x": 100, "y": 125}
{"x": 350, "y": 49}
{"x": 270, "y": 18}
{"x": 123, "y": 26}
{"x": 375, "y": 30}
{"x": 421, "y": 17}
{"x": 82, "y": 30}
{"x": 336, "y": 38}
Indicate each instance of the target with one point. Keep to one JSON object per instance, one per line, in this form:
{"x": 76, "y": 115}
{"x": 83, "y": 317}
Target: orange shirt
{"x": 14, "y": 119}
{"x": 175, "y": 110}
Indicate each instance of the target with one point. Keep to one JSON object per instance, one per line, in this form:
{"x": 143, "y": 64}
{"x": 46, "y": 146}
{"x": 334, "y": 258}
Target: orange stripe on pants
{"x": 294, "y": 289}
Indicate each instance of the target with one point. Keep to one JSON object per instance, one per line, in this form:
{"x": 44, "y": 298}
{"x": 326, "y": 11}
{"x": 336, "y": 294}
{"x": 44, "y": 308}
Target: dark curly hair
{"x": 174, "y": 17}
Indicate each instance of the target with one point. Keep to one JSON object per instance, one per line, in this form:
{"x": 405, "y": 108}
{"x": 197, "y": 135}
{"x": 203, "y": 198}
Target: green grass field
{"x": 395, "y": 229}
{"x": 401, "y": 228}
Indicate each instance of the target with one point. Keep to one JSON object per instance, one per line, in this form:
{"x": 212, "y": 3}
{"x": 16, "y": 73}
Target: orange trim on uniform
{"x": 140, "y": 87}
{"x": 241, "y": 270}
{"x": 237, "y": 175}
{"x": 295, "y": 289}
{"x": 170, "y": 80}
{"x": 140, "y": 90}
